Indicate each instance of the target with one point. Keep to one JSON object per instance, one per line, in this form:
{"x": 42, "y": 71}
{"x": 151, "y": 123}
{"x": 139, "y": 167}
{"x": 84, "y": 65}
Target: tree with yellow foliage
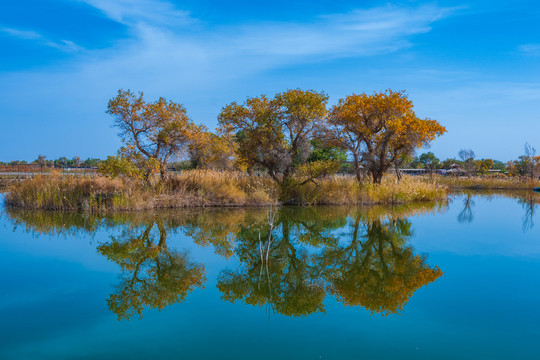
{"x": 276, "y": 134}
{"x": 153, "y": 132}
{"x": 379, "y": 129}
{"x": 213, "y": 151}
{"x": 484, "y": 165}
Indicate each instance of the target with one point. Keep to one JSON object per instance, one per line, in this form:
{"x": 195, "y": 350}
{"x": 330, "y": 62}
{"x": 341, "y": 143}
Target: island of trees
{"x": 290, "y": 148}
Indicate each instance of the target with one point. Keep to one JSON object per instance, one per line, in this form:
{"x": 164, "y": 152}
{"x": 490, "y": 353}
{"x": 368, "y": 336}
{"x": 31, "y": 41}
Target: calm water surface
{"x": 448, "y": 281}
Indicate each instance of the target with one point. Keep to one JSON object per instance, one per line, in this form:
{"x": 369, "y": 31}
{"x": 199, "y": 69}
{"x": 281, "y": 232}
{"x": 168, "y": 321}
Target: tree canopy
{"x": 276, "y": 133}
{"x": 291, "y": 136}
{"x": 153, "y": 132}
{"x": 430, "y": 161}
{"x": 379, "y": 129}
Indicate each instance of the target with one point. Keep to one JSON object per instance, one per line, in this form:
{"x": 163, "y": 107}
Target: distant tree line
{"x": 527, "y": 165}
{"x": 62, "y": 162}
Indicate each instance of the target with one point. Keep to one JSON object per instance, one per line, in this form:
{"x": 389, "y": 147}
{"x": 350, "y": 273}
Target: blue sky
{"x": 472, "y": 65}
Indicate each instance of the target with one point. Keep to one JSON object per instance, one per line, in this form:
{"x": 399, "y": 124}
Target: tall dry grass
{"x": 219, "y": 188}
{"x": 204, "y": 188}
{"x": 6, "y": 182}
{"x": 409, "y": 189}
{"x": 487, "y": 182}
{"x": 333, "y": 190}
{"x": 56, "y": 192}
{"x": 345, "y": 190}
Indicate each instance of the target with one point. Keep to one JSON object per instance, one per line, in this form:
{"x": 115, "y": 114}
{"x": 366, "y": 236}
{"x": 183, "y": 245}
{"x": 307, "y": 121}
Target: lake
{"x": 455, "y": 280}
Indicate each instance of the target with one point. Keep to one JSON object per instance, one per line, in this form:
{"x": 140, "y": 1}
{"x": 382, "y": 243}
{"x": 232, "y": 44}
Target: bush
{"x": 116, "y": 166}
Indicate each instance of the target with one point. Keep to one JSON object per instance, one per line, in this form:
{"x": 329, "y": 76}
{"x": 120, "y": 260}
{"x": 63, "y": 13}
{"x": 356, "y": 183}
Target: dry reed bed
{"x": 486, "y": 182}
{"x": 5, "y": 183}
{"x": 205, "y": 188}
{"x": 56, "y": 192}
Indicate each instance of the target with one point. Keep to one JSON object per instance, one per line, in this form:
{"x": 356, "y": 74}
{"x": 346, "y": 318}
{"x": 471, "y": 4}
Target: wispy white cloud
{"x": 21, "y": 34}
{"x": 31, "y": 35}
{"x": 172, "y": 59}
{"x": 130, "y": 12}
{"x": 530, "y": 49}
{"x": 243, "y": 49}
{"x": 164, "y": 59}
{"x": 203, "y": 69}
{"x": 358, "y": 33}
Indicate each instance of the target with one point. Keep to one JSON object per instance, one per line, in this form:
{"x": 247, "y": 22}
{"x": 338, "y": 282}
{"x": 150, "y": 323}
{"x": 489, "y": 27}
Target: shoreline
{"x": 204, "y": 189}
{"x": 214, "y": 189}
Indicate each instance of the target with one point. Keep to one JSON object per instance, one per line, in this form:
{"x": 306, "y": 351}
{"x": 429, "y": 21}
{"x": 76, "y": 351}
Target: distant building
{"x": 409, "y": 171}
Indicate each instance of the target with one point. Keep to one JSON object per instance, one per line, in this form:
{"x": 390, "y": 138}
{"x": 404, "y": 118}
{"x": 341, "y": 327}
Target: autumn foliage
{"x": 153, "y": 132}
{"x": 286, "y": 149}
{"x": 275, "y": 135}
{"x": 379, "y": 129}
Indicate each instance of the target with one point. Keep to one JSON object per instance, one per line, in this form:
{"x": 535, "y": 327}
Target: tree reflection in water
{"x": 276, "y": 270}
{"x": 290, "y": 265}
{"x": 528, "y": 200}
{"x": 529, "y": 204}
{"x": 290, "y": 259}
{"x": 376, "y": 269}
{"x": 152, "y": 275}
{"x": 466, "y": 215}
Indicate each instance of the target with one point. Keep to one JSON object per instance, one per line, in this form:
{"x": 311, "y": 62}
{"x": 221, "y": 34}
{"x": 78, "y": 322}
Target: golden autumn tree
{"x": 484, "y": 165}
{"x": 258, "y": 132}
{"x": 379, "y": 129}
{"x": 213, "y": 151}
{"x": 153, "y": 132}
{"x": 276, "y": 133}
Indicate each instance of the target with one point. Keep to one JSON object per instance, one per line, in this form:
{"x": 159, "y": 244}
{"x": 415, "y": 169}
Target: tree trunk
{"x": 146, "y": 177}
{"x": 398, "y": 173}
{"x": 163, "y": 172}
{"x": 357, "y": 168}
{"x": 377, "y": 176}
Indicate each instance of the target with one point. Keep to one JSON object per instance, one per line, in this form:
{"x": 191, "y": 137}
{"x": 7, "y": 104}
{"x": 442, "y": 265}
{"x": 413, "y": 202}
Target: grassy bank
{"x": 486, "y": 182}
{"x": 198, "y": 188}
